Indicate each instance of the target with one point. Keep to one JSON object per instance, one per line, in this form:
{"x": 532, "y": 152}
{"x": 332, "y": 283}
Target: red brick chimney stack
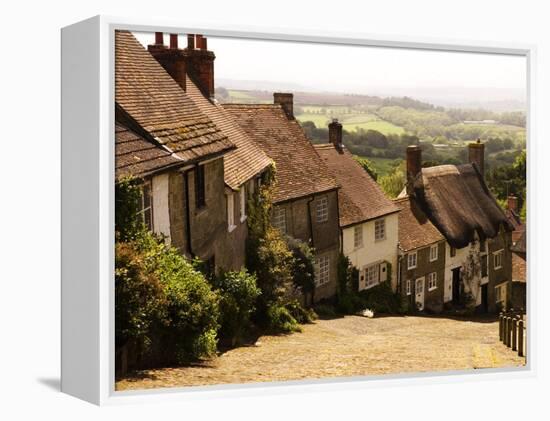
{"x": 159, "y": 38}
{"x": 414, "y": 165}
{"x": 286, "y": 101}
{"x": 174, "y": 41}
{"x": 200, "y": 64}
{"x": 513, "y": 203}
{"x": 172, "y": 59}
{"x": 335, "y": 134}
{"x": 476, "y": 155}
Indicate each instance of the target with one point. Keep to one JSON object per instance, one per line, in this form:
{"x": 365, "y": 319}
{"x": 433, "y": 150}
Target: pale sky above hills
{"x": 440, "y": 77}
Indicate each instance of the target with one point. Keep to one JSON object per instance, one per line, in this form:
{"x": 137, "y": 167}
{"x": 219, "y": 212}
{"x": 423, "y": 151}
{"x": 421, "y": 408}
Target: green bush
{"x": 380, "y": 299}
{"x": 279, "y": 320}
{"x": 303, "y": 265}
{"x": 238, "y": 293}
{"x": 301, "y": 315}
{"x": 139, "y": 298}
{"x": 128, "y": 223}
{"x": 326, "y": 311}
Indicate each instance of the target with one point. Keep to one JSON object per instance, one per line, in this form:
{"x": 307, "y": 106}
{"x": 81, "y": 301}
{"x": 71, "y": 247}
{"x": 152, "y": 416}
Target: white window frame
{"x": 242, "y": 198}
{"x": 358, "y": 237}
{"x": 279, "y": 219}
{"x": 500, "y": 293}
{"x": 432, "y": 281}
{"x": 321, "y": 209}
{"x": 497, "y": 256}
{"x": 408, "y": 287}
{"x": 322, "y": 270}
{"x": 147, "y": 192}
{"x": 372, "y": 275}
{"x": 230, "y": 212}
{"x": 434, "y": 252}
{"x": 380, "y": 229}
{"x": 410, "y": 258}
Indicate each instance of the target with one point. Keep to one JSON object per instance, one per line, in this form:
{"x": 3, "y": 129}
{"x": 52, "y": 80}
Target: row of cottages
{"x": 454, "y": 239}
{"x": 196, "y": 164}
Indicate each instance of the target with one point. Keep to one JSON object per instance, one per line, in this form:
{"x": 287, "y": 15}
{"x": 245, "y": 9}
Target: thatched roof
{"x": 457, "y": 201}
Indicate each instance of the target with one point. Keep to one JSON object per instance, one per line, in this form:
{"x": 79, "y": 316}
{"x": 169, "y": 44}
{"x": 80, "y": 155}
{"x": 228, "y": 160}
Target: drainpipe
{"x": 188, "y": 214}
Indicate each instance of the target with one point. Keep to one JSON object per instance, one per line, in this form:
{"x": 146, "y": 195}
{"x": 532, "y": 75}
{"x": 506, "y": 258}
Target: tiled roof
{"x": 138, "y": 157}
{"x": 415, "y": 229}
{"x": 242, "y": 163}
{"x": 459, "y": 204}
{"x": 300, "y": 170}
{"x": 360, "y": 198}
{"x": 147, "y": 93}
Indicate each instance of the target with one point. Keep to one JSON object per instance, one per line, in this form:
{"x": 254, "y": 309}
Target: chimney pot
{"x": 198, "y": 41}
{"x": 159, "y": 38}
{"x": 286, "y": 101}
{"x": 174, "y": 41}
{"x": 191, "y": 41}
{"x": 476, "y": 155}
{"x": 204, "y": 44}
{"x": 335, "y": 134}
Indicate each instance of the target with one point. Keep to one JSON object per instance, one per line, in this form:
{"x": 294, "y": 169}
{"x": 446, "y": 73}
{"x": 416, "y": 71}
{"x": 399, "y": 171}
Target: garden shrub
{"x": 325, "y": 311}
{"x": 279, "y": 320}
{"x": 301, "y": 315}
{"x": 128, "y": 223}
{"x": 238, "y": 293}
{"x": 303, "y": 265}
{"x": 380, "y": 299}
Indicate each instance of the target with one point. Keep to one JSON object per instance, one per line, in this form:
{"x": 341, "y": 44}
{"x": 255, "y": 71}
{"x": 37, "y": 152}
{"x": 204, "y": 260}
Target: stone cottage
{"x": 184, "y": 202}
{"x": 193, "y": 69}
{"x": 306, "y": 195}
{"x": 368, "y": 219}
{"x": 455, "y": 198}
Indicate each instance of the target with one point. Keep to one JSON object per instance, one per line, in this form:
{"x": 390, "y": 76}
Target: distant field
{"x": 320, "y": 120}
{"x": 382, "y": 126}
{"x": 351, "y": 121}
{"x": 383, "y": 166}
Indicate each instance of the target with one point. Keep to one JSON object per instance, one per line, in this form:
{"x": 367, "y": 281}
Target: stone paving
{"x": 347, "y": 346}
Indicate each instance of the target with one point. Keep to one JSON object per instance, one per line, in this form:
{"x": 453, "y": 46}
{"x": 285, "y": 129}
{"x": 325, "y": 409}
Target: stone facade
{"x": 302, "y": 223}
{"x": 433, "y": 297}
{"x": 502, "y": 275}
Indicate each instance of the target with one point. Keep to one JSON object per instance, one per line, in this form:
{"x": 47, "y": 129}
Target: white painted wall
{"x": 373, "y": 251}
{"x": 161, "y": 212}
{"x": 450, "y": 264}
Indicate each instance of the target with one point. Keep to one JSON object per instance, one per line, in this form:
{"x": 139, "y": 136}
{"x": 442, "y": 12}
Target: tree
{"x": 393, "y": 183}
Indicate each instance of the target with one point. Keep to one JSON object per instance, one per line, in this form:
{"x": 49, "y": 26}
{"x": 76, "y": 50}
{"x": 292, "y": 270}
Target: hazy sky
{"x": 367, "y": 70}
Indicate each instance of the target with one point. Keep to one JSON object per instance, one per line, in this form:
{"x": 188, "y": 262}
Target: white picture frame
{"x": 88, "y": 208}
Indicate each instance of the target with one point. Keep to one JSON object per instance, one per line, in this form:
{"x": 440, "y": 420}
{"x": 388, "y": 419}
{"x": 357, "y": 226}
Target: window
{"x": 230, "y": 212}
{"x": 498, "y": 259}
{"x": 279, "y": 219}
{"x": 200, "y": 189}
{"x": 242, "y": 198}
{"x": 482, "y": 246}
{"x": 419, "y": 287}
{"x": 380, "y": 230}
{"x": 408, "y": 287}
{"x": 322, "y": 270}
{"x": 411, "y": 260}
{"x": 322, "y": 209}
{"x": 358, "y": 236}
{"x": 484, "y": 265}
{"x": 147, "y": 205}
{"x": 372, "y": 275}
{"x": 453, "y": 252}
{"x": 432, "y": 281}
{"x": 434, "y": 250}
{"x": 500, "y": 293}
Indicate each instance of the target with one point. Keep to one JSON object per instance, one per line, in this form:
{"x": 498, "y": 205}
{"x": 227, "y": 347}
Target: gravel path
{"x": 348, "y": 346}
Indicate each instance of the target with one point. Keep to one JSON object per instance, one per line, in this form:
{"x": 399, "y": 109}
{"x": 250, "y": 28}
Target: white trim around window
{"x": 230, "y": 212}
{"x": 408, "y": 287}
{"x": 357, "y": 237}
{"x": 412, "y": 260}
{"x": 497, "y": 259}
{"x": 380, "y": 229}
{"x": 432, "y": 281}
{"x": 322, "y": 209}
{"x": 434, "y": 252}
{"x": 322, "y": 270}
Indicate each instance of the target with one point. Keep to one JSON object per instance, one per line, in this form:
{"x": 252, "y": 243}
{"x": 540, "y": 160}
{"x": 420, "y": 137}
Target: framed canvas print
{"x": 246, "y": 209}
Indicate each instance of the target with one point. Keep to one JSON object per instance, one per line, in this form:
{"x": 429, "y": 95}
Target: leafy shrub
{"x": 279, "y": 320}
{"x": 238, "y": 293}
{"x": 303, "y": 265}
{"x": 380, "y": 299}
{"x": 139, "y": 297}
{"x": 326, "y": 311}
{"x": 301, "y": 314}
{"x": 128, "y": 224}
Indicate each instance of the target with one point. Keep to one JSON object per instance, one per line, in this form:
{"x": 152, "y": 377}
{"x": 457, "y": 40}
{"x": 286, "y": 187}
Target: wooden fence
{"x": 513, "y": 330}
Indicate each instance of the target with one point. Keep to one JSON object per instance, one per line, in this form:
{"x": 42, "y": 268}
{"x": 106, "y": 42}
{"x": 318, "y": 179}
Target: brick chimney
{"x": 414, "y": 165}
{"x": 476, "y": 155}
{"x": 335, "y": 134}
{"x": 171, "y": 58}
{"x": 286, "y": 101}
{"x": 200, "y": 63}
{"x": 513, "y": 203}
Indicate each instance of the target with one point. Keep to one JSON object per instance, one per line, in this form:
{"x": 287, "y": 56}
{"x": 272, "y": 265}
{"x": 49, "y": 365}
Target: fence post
{"x": 508, "y": 330}
{"x": 520, "y": 338}
{"x": 514, "y": 334}
{"x": 501, "y": 326}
